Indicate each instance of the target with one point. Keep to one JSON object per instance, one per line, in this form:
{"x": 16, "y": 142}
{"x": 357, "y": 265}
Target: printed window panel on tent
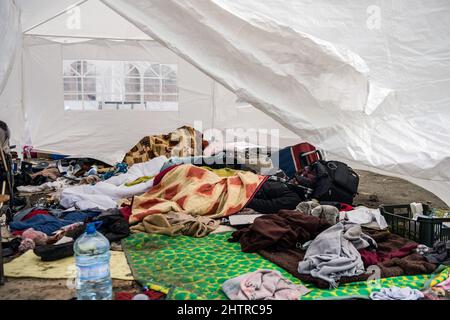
{"x": 120, "y": 85}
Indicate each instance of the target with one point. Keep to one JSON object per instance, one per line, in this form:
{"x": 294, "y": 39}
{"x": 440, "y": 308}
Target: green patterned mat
{"x": 195, "y": 268}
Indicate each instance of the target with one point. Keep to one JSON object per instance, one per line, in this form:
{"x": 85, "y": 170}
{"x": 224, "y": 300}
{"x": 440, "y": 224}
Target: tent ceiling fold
{"x": 374, "y": 95}
{"x": 86, "y": 19}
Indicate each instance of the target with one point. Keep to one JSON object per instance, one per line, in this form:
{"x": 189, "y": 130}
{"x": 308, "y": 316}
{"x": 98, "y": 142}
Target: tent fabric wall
{"x": 382, "y": 104}
{"x": 105, "y": 135}
{"x": 10, "y": 34}
{"x": 11, "y": 104}
{"x": 108, "y": 134}
{"x": 11, "y": 71}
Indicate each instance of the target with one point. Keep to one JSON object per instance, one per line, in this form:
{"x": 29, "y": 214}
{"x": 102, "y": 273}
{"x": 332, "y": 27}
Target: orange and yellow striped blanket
{"x": 197, "y": 191}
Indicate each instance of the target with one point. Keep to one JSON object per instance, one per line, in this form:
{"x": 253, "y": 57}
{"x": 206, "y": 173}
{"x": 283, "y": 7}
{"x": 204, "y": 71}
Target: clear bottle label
{"x": 93, "y": 272}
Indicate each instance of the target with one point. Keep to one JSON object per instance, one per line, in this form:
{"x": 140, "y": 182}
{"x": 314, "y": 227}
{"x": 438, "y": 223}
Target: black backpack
{"x": 335, "y": 181}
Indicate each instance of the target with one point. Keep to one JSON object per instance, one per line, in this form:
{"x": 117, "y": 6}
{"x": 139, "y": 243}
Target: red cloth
{"x": 374, "y": 257}
{"x": 153, "y": 295}
{"x": 35, "y": 213}
{"x": 125, "y": 211}
{"x": 400, "y": 253}
{"x": 345, "y": 207}
{"x": 161, "y": 175}
{"x": 369, "y": 257}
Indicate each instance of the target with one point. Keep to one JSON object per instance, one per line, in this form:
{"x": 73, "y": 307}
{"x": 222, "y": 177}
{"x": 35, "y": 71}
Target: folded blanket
{"x": 263, "y": 285}
{"x": 197, "y": 191}
{"x": 182, "y": 142}
{"x": 176, "y": 223}
{"x": 279, "y": 231}
{"x": 412, "y": 264}
{"x": 334, "y": 253}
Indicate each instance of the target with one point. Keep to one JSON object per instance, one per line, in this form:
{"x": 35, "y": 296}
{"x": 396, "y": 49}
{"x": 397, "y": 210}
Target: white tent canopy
{"x": 85, "y": 23}
{"x": 367, "y": 81}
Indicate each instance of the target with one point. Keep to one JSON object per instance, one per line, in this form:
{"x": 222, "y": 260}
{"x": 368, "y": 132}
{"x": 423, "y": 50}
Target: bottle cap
{"x": 90, "y": 229}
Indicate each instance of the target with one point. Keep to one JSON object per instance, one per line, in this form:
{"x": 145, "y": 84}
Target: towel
{"x": 263, "y": 285}
{"x": 333, "y": 253}
{"x": 396, "y": 293}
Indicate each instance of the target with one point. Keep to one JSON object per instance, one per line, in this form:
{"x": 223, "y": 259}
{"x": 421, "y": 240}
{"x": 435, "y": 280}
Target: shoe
{"x": 54, "y": 252}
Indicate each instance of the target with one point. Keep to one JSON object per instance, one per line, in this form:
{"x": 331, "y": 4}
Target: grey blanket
{"x": 334, "y": 253}
{"x": 263, "y": 285}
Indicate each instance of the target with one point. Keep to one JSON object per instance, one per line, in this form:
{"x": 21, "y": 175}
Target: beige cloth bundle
{"x": 175, "y": 224}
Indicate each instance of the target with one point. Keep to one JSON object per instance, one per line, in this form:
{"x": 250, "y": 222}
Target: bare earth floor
{"x": 374, "y": 190}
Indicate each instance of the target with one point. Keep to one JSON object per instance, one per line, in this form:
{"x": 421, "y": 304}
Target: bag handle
{"x": 318, "y": 152}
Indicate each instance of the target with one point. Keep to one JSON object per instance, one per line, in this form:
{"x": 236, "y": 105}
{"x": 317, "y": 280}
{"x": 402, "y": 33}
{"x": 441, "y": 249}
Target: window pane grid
{"x": 100, "y": 85}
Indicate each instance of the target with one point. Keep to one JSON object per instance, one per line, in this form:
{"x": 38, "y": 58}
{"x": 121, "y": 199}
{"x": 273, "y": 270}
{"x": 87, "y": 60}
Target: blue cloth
{"x": 21, "y": 214}
{"x": 118, "y": 168}
{"x": 79, "y": 216}
{"x": 49, "y": 224}
{"x": 284, "y": 160}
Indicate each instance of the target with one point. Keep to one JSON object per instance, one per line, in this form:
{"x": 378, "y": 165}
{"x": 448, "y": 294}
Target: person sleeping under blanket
{"x": 275, "y": 195}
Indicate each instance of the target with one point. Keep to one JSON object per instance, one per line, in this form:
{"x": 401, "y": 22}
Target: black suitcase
{"x": 335, "y": 181}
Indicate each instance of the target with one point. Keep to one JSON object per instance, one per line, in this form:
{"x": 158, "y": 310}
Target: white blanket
{"x": 104, "y": 195}
{"x": 369, "y": 218}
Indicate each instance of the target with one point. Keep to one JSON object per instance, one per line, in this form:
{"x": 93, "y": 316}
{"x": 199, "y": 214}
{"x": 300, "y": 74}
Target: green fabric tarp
{"x": 194, "y": 268}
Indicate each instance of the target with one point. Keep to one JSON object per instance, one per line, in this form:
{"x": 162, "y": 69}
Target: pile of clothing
{"x": 51, "y": 232}
{"x": 303, "y": 221}
{"x": 190, "y": 196}
{"x": 325, "y": 252}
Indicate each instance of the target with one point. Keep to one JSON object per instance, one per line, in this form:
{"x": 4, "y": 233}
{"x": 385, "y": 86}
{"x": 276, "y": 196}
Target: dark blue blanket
{"x": 49, "y": 224}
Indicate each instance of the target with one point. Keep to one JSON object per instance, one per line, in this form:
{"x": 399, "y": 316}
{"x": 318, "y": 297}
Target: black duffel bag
{"x": 335, "y": 181}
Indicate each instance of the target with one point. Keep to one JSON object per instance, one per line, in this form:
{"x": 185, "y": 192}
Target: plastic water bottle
{"x": 92, "y": 260}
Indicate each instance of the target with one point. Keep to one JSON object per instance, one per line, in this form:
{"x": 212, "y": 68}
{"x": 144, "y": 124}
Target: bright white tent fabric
{"x": 364, "y": 80}
{"x": 91, "y": 19}
{"x": 11, "y": 71}
{"x": 10, "y": 35}
{"x": 393, "y": 118}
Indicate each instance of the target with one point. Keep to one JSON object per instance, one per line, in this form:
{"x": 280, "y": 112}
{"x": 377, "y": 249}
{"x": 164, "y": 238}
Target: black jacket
{"x": 274, "y": 196}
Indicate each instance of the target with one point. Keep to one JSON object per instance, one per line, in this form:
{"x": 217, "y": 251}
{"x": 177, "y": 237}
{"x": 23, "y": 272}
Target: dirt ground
{"x": 374, "y": 190}
{"x": 49, "y": 289}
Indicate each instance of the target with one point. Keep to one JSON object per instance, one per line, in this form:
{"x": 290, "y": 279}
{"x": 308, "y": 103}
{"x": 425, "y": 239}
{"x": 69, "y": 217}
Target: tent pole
{"x": 84, "y": 37}
{"x": 57, "y": 15}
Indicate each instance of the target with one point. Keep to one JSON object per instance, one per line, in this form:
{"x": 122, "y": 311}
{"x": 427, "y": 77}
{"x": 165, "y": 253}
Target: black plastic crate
{"x": 425, "y": 230}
